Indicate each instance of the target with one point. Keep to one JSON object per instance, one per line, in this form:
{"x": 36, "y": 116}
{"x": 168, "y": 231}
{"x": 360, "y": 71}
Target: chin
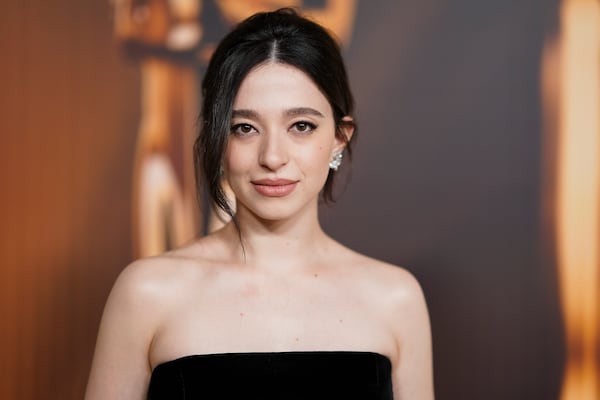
{"x": 274, "y": 214}
{"x": 275, "y": 209}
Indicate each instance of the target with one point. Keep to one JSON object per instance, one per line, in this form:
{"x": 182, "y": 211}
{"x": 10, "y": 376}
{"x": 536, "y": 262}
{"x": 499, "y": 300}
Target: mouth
{"x": 274, "y": 187}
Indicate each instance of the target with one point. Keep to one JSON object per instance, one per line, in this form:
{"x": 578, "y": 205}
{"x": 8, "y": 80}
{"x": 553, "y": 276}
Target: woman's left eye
{"x": 303, "y": 127}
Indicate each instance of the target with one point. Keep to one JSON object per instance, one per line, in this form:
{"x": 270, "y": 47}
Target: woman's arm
{"x": 120, "y": 368}
{"x": 413, "y": 367}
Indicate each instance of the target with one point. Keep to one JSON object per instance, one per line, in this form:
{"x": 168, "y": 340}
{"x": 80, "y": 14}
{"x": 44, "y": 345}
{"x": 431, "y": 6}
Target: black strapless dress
{"x": 306, "y": 375}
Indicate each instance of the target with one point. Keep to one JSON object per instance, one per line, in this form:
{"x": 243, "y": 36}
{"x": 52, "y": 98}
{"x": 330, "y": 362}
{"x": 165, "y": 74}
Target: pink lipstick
{"x": 274, "y": 187}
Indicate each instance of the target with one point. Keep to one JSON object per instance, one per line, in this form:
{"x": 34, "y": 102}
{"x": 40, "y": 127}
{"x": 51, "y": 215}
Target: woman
{"x": 268, "y": 307}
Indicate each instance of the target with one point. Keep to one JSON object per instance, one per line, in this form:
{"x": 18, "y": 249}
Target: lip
{"x": 274, "y": 187}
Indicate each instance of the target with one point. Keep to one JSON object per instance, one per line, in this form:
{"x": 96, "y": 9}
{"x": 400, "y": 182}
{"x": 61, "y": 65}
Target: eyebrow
{"x": 250, "y": 114}
{"x": 291, "y": 112}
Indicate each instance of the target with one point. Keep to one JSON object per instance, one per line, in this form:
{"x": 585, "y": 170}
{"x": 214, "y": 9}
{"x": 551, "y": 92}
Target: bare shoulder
{"x": 131, "y": 316}
{"x": 397, "y": 283}
{"x": 392, "y": 292}
{"x": 146, "y": 273}
{"x": 396, "y": 295}
{"x": 156, "y": 276}
{"x": 140, "y": 294}
{"x": 142, "y": 297}
{"x": 147, "y": 289}
{"x": 143, "y": 280}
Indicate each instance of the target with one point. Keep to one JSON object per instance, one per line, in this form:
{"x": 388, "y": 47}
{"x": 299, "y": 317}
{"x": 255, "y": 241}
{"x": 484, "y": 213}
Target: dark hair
{"x": 281, "y": 36}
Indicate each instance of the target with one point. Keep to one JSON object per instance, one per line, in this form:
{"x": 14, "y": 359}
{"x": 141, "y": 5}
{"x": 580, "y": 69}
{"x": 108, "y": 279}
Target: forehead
{"x": 276, "y": 86}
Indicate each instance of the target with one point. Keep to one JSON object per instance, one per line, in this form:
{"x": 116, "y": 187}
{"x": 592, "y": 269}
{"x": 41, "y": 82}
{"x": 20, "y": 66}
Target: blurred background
{"x": 476, "y": 168}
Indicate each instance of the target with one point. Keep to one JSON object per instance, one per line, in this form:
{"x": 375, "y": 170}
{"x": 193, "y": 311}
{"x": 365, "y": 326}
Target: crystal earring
{"x": 336, "y": 161}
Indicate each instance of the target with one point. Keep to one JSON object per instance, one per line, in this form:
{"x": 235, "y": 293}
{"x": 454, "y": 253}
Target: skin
{"x": 206, "y": 298}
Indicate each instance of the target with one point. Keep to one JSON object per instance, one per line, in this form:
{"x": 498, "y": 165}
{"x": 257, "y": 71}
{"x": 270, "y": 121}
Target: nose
{"x": 273, "y": 151}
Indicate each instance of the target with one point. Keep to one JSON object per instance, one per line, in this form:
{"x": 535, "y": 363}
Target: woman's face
{"x": 282, "y": 139}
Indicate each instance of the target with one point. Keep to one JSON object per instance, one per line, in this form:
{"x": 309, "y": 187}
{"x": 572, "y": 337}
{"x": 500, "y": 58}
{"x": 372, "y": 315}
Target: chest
{"x": 254, "y": 315}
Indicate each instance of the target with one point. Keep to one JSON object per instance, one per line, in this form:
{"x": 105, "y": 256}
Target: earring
{"x": 336, "y": 161}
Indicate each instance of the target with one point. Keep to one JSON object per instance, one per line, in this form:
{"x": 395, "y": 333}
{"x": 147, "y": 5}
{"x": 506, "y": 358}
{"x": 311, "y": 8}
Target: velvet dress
{"x": 295, "y": 375}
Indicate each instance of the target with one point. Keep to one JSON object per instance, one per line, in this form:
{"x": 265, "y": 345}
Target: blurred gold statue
{"x": 166, "y": 37}
{"x": 571, "y": 99}
{"x": 336, "y": 15}
{"x": 163, "y": 35}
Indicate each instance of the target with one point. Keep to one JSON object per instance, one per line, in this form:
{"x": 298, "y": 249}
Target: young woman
{"x": 270, "y": 306}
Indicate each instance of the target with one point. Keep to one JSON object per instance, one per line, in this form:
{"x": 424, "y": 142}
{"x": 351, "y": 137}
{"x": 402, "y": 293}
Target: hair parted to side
{"x": 281, "y": 36}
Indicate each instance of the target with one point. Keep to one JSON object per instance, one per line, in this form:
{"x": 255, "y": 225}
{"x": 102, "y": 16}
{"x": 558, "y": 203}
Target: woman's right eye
{"x": 242, "y": 129}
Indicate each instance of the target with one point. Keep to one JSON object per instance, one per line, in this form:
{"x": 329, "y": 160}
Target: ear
{"x": 345, "y": 128}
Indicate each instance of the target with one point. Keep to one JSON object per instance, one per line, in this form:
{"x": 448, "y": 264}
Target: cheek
{"x": 235, "y": 158}
{"x": 316, "y": 159}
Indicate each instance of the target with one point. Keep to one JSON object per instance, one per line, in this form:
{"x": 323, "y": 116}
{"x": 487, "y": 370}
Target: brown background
{"x": 447, "y": 181}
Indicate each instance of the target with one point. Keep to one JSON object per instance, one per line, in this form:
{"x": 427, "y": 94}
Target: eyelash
{"x": 235, "y": 129}
{"x": 309, "y": 128}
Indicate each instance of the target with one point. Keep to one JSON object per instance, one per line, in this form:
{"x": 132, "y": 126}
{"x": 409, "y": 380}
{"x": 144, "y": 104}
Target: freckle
{"x": 316, "y": 275}
{"x": 341, "y": 320}
{"x": 242, "y": 314}
{"x": 297, "y": 340}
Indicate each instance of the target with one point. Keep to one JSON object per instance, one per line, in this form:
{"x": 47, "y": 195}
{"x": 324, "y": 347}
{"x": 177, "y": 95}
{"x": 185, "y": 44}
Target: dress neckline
{"x": 358, "y": 353}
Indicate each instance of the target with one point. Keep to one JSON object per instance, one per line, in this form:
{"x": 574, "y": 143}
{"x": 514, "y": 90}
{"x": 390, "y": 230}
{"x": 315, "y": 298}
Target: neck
{"x": 278, "y": 244}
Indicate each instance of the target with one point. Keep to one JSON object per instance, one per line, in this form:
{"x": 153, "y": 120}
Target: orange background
{"x": 69, "y": 116}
